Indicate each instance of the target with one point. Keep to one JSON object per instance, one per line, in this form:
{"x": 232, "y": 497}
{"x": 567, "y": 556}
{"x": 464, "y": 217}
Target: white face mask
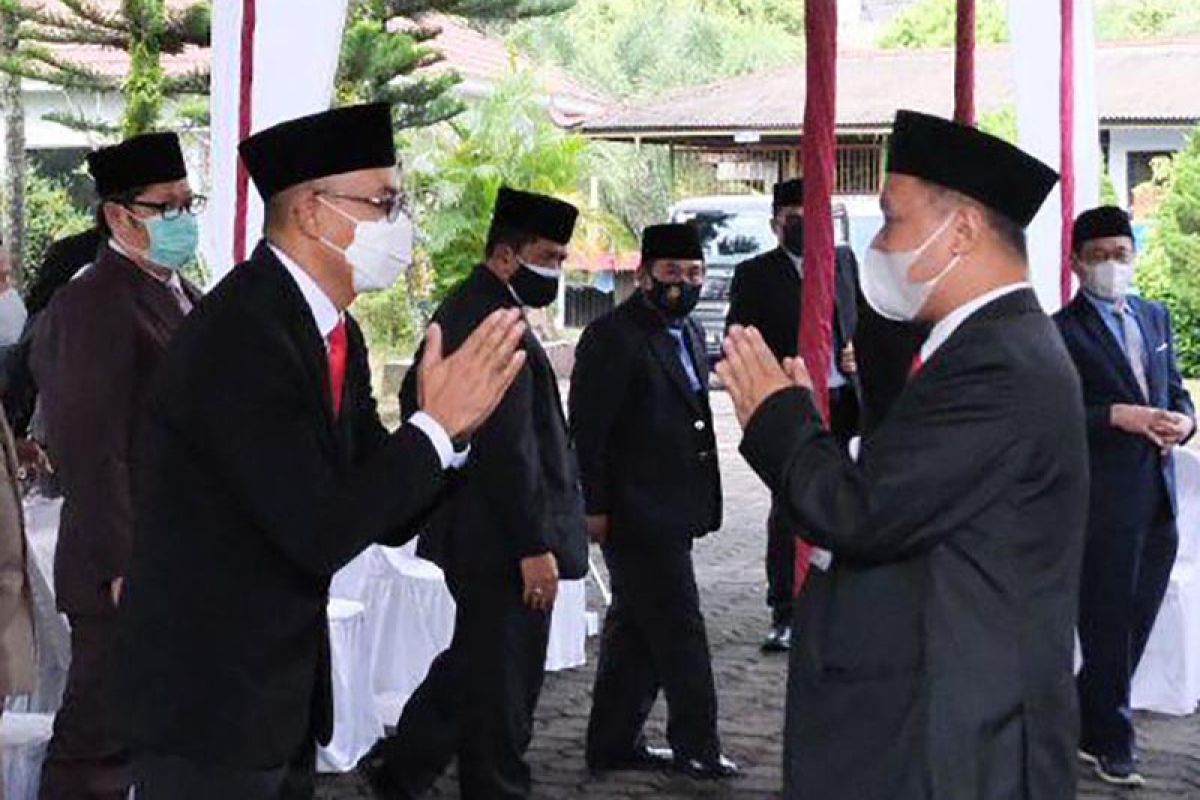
{"x": 1109, "y": 280}
{"x": 380, "y": 252}
{"x": 885, "y": 283}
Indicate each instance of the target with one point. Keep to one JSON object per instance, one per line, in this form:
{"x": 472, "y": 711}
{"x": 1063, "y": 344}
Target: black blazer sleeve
{"x": 920, "y": 478}
{"x": 252, "y": 419}
{"x": 599, "y": 383}
{"x": 742, "y": 303}
{"x": 507, "y": 464}
{"x": 1180, "y": 399}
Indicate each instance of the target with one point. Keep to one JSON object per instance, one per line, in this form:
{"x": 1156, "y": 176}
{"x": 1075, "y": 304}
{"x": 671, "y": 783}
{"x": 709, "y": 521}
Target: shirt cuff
{"x": 450, "y": 458}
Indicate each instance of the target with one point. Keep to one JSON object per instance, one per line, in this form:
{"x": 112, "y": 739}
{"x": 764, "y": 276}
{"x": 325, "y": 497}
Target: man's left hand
{"x": 750, "y": 372}
{"x": 849, "y": 363}
{"x": 1174, "y": 428}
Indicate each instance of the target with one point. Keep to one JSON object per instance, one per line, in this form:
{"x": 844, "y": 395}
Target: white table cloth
{"x": 23, "y": 741}
{"x": 1168, "y": 680}
{"x": 356, "y": 725}
{"x": 50, "y": 628}
{"x": 410, "y": 616}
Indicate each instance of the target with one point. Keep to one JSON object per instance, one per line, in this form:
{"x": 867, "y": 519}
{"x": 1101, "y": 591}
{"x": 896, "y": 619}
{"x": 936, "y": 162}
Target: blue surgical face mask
{"x": 172, "y": 241}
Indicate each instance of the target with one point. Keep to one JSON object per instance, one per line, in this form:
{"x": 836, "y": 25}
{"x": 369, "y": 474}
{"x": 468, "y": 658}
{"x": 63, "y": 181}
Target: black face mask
{"x": 675, "y": 300}
{"x": 535, "y": 291}
{"x": 793, "y": 238}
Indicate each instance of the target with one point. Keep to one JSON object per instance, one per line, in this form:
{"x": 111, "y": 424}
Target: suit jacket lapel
{"x": 667, "y": 352}
{"x": 301, "y": 326}
{"x": 1099, "y": 332}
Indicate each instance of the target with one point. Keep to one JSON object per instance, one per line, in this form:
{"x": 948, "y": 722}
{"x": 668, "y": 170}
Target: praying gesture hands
{"x": 751, "y": 374}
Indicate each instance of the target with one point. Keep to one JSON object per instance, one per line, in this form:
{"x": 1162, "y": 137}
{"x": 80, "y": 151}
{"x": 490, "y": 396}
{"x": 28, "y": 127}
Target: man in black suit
{"x": 99, "y": 344}
{"x": 262, "y": 467}
{"x": 1137, "y": 411}
{"x": 513, "y": 526}
{"x": 766, "y": 293}
{"x": 63, "y": 260}
{"x": 936, "y": 653}
{"x": 648, "y": 460}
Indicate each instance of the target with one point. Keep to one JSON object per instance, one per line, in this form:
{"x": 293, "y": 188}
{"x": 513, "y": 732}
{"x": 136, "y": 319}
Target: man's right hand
{"x": 462, "y": 390}
{"x": 540, "y": 577}
{"x": 599, "y": 526}
{"x": 32, "y": 460}
{"x": 1141, "y": 421}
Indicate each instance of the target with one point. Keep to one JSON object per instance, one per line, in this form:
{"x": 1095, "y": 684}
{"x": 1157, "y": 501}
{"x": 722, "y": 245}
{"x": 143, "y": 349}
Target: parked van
{"x": 734, "y": 228}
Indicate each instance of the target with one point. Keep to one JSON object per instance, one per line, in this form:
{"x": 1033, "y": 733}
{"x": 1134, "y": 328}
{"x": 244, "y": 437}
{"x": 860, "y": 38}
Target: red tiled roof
{"x": 472, "y": 54}
{"x": 1136, "y": 82}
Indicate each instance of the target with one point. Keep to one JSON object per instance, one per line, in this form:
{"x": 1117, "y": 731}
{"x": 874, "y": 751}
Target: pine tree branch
{"x": 78, "y": 122}
{"x": 89, "y": 12}
{"x": 189, "y": 26}
{"x": 197, "y": 81}
{"x": 38, "y": 33}
{"x": 39, "y": 63}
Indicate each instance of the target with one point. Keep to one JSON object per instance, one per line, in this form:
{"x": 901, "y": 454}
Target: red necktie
{"x": 916, "y": 365}
{"x": 337, "y": 364}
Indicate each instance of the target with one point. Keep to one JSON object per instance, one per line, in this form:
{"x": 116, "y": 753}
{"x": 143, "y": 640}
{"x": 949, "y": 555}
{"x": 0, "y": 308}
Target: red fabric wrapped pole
{"x": 1067, "y": 119}
{"x": 245, "y": 125}
{"x": 819, "y": 151}
{"x": 964, "y": 64}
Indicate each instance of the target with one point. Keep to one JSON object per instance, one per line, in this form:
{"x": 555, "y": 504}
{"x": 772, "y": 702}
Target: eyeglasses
{"x": 392, "y": 205}
{"x": 193, "y": 206}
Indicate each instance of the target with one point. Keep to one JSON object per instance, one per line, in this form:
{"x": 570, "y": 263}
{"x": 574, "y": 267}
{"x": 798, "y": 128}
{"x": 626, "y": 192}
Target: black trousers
{"x": 1125, "y": 577}
{"x": 177, "y": 778}
{"x": 654, "y": 638}
{"x": 781, "y": 538}
{"x": 477, "y": 701}
{"x": 85, "y": 759}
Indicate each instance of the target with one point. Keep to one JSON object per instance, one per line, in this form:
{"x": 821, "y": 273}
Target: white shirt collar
{"x": 798, "y": 263}
{"x": 951, "y": 322}
{"x": 173, "y": 280}
{"x": 325, "y": 313}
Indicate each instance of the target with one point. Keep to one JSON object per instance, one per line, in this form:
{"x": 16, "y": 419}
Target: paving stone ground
{"x": 750, "y": 686}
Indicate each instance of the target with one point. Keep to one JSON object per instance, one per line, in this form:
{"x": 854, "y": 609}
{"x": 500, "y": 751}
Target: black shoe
{"x": 642, "y": 758}
{"x": 779, "y": 640}
{"x": 708, "y": 770}
{"x": 1118, "y": 772}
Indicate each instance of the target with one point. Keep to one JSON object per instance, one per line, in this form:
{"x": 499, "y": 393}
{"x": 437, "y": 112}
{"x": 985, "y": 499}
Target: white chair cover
{"x": 356, "y": 725}
{"x": 23, "y": 740}
{"x": 1168, "y": 680}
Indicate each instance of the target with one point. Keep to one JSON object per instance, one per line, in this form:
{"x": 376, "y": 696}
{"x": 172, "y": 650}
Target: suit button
{"x": 699, "y": 425}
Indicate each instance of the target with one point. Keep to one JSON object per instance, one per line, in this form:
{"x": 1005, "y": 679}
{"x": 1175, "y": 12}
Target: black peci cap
{"x": 983, "y": 167}
{"x": 333, "y": 142}
{"x": 676, "y": 240}
{"x": 140, "y": 161}
{"x": 536, "y": 214}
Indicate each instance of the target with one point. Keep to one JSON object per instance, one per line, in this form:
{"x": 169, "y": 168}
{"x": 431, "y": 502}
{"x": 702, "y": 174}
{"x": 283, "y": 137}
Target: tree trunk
{"x": 14, "y": 152}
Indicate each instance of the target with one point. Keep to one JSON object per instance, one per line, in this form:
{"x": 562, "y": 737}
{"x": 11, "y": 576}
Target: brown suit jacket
{"x": 96, "y": 351}
{"x": 17, "y": 663}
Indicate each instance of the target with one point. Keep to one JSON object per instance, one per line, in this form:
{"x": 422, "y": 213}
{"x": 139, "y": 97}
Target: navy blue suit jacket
{"x": 1129, "y": 475}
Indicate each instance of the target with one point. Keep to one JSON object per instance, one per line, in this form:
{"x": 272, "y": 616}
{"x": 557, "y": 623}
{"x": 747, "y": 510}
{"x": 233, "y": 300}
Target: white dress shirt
{"x": 951, "y": 322}
{"x": 326, "y": 316}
